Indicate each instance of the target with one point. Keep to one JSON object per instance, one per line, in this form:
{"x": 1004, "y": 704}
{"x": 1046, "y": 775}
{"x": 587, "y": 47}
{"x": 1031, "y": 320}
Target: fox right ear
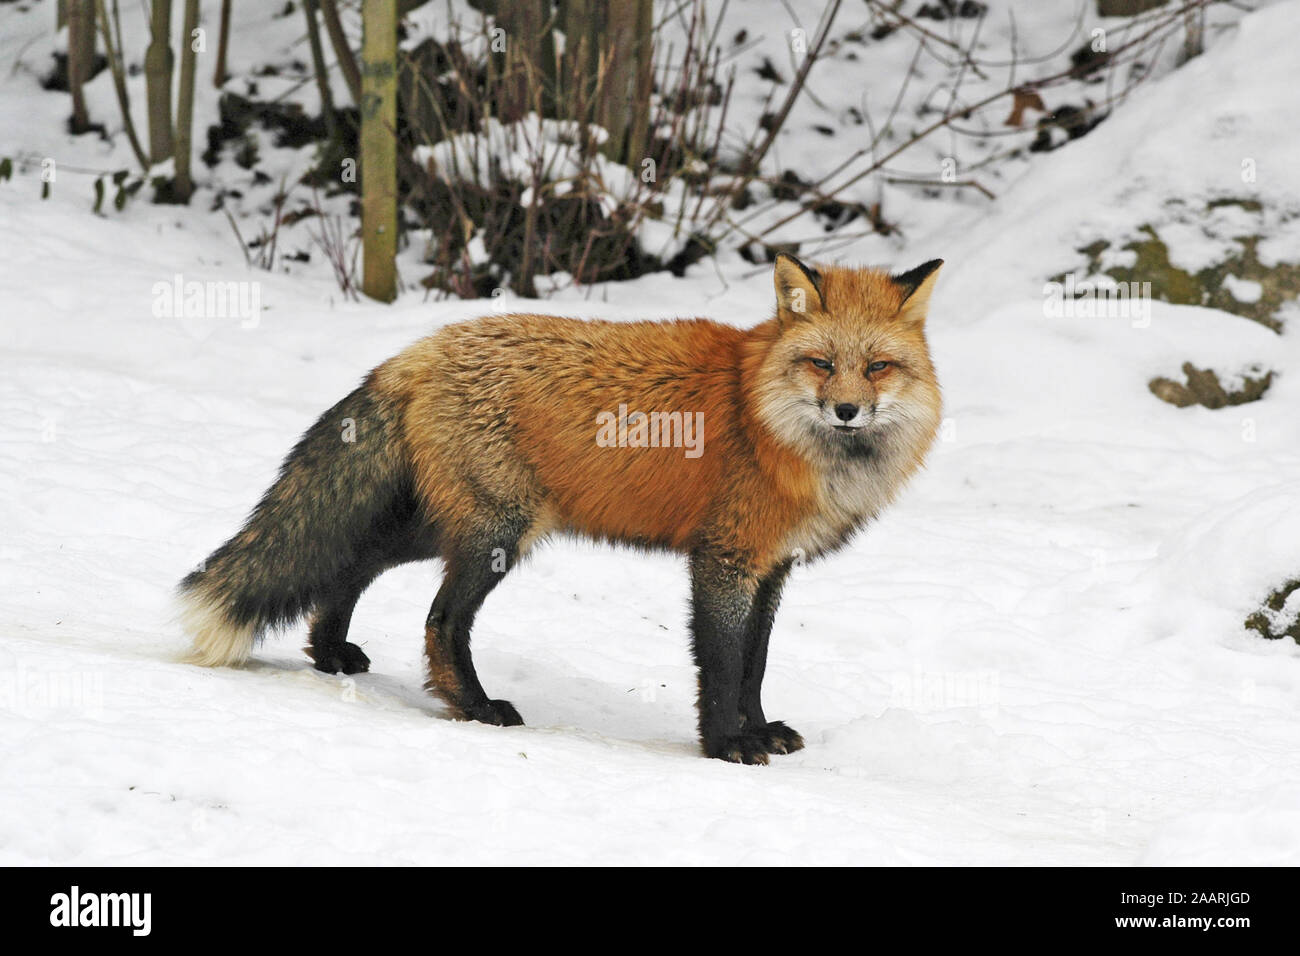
{"x": 798, "y": 287}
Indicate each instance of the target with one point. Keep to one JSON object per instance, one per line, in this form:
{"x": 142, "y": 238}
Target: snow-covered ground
{"x": 1036, "y": 657}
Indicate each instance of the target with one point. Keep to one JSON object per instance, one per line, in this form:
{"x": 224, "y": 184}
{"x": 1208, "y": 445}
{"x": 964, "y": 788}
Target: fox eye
{"x": 877, "y": 367}
{"x": 822, "y": 364}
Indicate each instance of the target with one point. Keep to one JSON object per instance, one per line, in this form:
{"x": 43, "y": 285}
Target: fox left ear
{"x": 916, "y": 286}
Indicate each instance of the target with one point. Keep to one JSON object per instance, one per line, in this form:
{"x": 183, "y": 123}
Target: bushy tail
{"x": 345, "y": 483}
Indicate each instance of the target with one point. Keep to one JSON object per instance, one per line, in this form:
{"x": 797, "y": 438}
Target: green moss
{"x": 1168, "y": 282}
{"x": 1263, "y": 622}
{"x": 1207, "y": 287}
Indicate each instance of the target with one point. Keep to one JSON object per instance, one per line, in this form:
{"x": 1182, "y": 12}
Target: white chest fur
{"x": 853, "y": 492}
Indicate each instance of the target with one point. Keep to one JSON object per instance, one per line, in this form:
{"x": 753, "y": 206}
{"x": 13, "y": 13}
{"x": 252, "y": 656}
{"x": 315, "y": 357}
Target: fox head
{"x": 848, "y": 367}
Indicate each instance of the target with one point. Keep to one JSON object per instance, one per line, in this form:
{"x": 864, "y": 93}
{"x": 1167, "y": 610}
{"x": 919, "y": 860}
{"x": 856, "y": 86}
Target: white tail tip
{"x": 217, "y": 642}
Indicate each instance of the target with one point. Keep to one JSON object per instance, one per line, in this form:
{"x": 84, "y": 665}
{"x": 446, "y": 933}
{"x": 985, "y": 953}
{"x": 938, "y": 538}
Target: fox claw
{"x": 780, "y": 739}
{"x": 743, "y": 748}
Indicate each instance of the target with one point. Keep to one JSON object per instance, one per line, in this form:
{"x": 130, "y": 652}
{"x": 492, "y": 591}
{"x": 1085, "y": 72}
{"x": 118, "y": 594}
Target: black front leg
{"x": 722, "y": 599}
{"x": 776, "y": 736}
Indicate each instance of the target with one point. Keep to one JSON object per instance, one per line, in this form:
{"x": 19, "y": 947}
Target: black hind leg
{"x": 406, "y": 537}
{"x": 474, "y": 568}
{"x": 328, "y": 646}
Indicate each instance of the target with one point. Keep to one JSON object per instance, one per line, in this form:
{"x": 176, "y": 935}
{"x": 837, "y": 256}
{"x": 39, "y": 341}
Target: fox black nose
{"x": 846, "y": 412}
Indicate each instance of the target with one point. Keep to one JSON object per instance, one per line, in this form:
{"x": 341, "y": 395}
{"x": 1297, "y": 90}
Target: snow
{"x": 1036, "y": 657}
{"x": 1243, "y": 290}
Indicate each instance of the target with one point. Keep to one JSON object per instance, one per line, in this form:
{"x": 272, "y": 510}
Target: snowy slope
{"x": 1036, "y": 657}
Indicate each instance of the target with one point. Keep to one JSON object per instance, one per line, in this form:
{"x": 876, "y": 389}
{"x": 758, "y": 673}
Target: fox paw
{"x": 344, "y": 657}
{"x": 778, "y": 738}
{"x": 745, "y": 747}
{"x": 500, "y": 713}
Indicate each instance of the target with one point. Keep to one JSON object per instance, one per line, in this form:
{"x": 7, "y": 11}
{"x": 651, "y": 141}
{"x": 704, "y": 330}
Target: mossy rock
{"x": 1204, "y": 388}
{"x": 1270, "y": 622}
{"x": 1211, "y": 286}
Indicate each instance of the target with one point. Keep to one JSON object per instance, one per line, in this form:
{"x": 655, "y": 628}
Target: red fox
{"x": 773, "y": 444}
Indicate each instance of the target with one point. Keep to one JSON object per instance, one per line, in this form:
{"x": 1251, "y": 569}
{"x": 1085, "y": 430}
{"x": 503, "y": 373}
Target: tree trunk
{"x": 584, "y": 24}
{"x": 219, "y": 74}
{"x": 185, "y": 105}
{"x": 618, "y": 62}
{"x": 322, "y": 74}
{"x": 158, "y": 66}
{"x": 528, "y": 66}
{"x": 339, "y": 40}
{"x": 607, "y": 71}
{"x": 638, "y": 137}
{"x": 378, "y": 102}
{"x": 108, "y": 29}
{"x": 1194, "y": 40}
{"x": 81, "y": 58}
{"x": 582, "y": 28}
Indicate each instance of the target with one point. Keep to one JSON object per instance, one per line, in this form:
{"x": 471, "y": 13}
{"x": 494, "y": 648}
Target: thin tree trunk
{"x": 638, "y": 145}
{"x": 522, "y": 65}
{"x": 185, "y": 106}
{"x": 60, "y": 14}
{"x": 1194, "y": 40}
{"x": 343, "y": 53}
{"x": 159, "y": 63}
{"x": 533, "y": 28}
{"x": 619, "y": 58}
{"x": 544, "y": 50}
{"x": 582, "y": 29}
{"x": 584, "y": 23}
{"x": 87, "y": 42}
{"x": 81, "y": 58}
{"x": 113, "y": 49}
{"x": 219, "y": 74}
{"x": 322, "y": 74}
{"x": 378, "y": 102}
